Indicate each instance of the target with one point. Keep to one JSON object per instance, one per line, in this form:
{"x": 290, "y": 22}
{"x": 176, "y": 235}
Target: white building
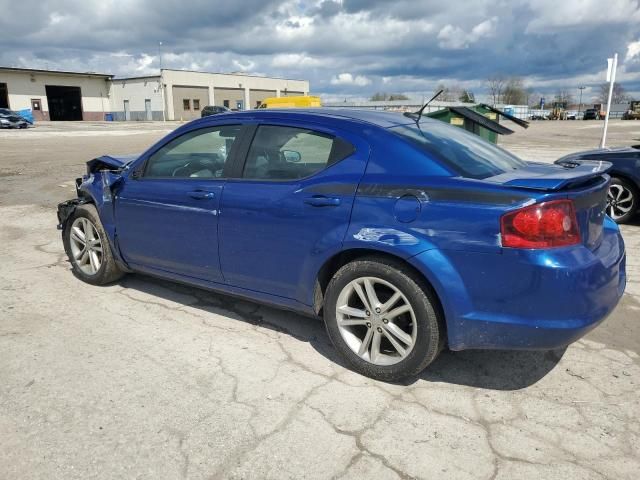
{"x": 53, "y": 95}
{"x": 185, "y": 93}
{"x": 171, "y": 95}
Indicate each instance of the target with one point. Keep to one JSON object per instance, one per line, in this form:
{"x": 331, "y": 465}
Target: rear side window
{"x": 288, "y": 153}
{"x": 466, "y": 154}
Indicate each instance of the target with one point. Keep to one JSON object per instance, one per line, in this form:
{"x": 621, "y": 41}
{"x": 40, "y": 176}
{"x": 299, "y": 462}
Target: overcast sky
{"x": 348, "y": 48}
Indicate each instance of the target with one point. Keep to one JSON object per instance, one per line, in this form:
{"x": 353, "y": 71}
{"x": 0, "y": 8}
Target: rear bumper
{"x": 531, "y": 300}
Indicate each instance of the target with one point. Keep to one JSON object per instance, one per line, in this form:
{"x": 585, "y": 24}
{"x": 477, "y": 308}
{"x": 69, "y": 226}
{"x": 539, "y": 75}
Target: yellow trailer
{"x": 291, "y": 102}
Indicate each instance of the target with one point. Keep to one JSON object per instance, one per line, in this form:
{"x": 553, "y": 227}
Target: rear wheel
{"x": 382, "y": 319}
{"x": 622, "y": 200}
{"x": 87, "y": 247}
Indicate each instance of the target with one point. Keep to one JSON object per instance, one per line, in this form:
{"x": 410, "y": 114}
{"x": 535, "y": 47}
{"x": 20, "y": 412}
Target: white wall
{"x": 136, "y": 90}
{"x": 223, "y": 80}
{"x": 23, "y": 86}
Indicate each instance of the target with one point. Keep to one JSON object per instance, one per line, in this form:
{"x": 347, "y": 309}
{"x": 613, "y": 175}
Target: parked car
{"x": 404, "y": 235}
{"x": 213, "y": 110}
{"x": 10, "y": 119}
{"x": 623, "y": 198}
{"x": 591, "y": 114}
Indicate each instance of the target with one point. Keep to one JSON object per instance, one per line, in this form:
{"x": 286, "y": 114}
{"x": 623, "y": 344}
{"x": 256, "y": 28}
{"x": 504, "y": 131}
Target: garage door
{"x": 257, "y": 96}
{"x": 232, "y": 98}
{"x": 189, "y": 101}
{"x": 65, "y": 103}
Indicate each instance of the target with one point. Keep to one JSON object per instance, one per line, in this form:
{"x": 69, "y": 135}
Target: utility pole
{"x": 611, "y": 78}
{"x": 580, "y": 104}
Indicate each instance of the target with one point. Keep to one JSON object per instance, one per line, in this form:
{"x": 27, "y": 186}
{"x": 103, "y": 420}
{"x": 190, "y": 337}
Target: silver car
{"x": 10, "y": 119}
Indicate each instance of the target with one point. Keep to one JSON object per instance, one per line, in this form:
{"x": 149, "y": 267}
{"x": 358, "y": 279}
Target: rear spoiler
{"x": 572, "y": 172}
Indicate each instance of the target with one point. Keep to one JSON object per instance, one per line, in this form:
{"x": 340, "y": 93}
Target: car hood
{"x": 549, "y": 176}
{"x": 110, "y": 162}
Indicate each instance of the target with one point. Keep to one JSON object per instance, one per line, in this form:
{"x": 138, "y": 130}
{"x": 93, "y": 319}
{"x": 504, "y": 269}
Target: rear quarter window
{"x": 466, "y": 154}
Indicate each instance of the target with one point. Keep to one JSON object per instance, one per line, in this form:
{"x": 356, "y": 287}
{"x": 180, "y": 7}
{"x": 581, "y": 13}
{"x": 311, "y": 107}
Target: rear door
{"x": 167, "y": 214}
{"x": 290, "y": 206}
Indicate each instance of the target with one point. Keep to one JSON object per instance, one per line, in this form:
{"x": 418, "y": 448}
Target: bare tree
{"x": 514, "y": 92}
{"x": 619, "y": 94}
{"x": 496, "y": 85}
{"x": 379, "y": 96}
{"x": 563, "y": 97}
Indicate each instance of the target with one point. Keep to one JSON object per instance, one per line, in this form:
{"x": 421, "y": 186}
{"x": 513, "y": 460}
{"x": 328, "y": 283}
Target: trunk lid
{"x": 583, "y": 181}
{"x": 551, "y": 177}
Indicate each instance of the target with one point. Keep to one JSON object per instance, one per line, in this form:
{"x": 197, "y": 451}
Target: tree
{"x": 619, "y": 94}
{"x": 514, "y": 92}
{"x": 563, "y": 97}
{"x": 467, "y": 97}
{"x": 534, "y": 99}
{"x": 382, "y": 96}
{"x": 496, "y": 85}
{"x": 452, "y": 93}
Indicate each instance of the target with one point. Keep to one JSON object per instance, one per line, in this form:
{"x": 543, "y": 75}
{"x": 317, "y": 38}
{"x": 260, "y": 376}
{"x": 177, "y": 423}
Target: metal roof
{"x": 482, "y": 120}
{"x": 55, "y": 72}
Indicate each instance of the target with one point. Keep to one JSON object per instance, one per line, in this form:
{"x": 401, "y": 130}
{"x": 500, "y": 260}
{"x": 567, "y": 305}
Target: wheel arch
{"x": 626, "y": 177}
{"x": 337, "y": 261}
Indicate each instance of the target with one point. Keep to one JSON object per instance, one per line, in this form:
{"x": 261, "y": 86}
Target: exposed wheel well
{"x": 336, "y": 262}
{"x": 626, "y": 178}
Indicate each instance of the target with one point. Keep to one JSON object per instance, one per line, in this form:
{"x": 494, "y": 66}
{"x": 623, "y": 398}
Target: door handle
{"x": 201, "y": 195}
{"x": 322, "y": 201}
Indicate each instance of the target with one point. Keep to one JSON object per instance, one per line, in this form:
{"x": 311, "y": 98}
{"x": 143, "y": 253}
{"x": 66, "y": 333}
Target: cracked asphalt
{"x": 150, "y": 380}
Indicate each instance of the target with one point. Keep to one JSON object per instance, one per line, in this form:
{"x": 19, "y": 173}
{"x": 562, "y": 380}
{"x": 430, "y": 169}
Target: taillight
{"x": 543, "y": 225}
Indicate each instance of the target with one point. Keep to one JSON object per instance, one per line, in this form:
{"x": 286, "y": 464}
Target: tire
{"x": 422, "y": 323}
{"x": 89, "y": 264}
{"x": 622, "y": 200}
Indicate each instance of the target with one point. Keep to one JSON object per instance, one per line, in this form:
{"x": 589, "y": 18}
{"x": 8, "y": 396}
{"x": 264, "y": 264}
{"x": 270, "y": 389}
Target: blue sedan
{"x": 405, "y": 235}
{"x": 623, "y": 200}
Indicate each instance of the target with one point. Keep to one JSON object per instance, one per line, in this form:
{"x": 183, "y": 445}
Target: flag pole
{"x": 611, "y": 78}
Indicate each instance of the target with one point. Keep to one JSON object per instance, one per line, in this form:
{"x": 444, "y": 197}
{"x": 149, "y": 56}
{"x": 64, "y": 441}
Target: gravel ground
{"x": 145, "y": 379}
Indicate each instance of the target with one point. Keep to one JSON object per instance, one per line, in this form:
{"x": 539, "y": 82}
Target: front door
{"x": 167, "y": 210}
{"x": 291, "y": 206}
{"x": 36, "y": 109}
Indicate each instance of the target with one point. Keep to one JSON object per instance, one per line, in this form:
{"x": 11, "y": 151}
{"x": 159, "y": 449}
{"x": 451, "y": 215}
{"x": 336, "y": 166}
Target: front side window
{"x": 465, "y": 153}
{"x": 197, "y": 154}
{"x": 288, "y": 153}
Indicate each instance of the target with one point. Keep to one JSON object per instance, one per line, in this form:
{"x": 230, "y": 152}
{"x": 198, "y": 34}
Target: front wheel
{"x": 87, "y": 247}
{"x": 382, "y": 319}
{"x": 622, "y": 200}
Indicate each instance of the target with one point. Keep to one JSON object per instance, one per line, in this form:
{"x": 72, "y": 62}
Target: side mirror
{"x": 291, "y": 156}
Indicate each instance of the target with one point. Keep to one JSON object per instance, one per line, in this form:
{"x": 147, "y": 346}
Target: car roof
{"x": 380, "y": 118}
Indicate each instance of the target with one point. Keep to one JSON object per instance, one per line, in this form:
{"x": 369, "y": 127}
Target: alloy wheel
{"x": 376, "y": 321}
{"x": 86, "y": 246}
{"x": 619, "y": 201}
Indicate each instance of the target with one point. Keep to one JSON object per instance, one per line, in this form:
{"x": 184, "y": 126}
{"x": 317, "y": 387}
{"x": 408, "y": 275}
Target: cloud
{"x": 348, "y": 79}
{"x": 633, "y": 51}
{"x": 289, "y": 60}
{"x": 343, "y": 47}
{"x": 454, "y": 38}
{"x": 548, "y": 15}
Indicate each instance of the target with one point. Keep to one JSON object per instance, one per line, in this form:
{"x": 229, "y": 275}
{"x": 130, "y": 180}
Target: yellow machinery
{"x": 291, "y": 102}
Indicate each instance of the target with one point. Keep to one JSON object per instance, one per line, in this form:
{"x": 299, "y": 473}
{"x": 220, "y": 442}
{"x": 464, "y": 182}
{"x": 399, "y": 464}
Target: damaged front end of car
{"x": 96, "y": 187}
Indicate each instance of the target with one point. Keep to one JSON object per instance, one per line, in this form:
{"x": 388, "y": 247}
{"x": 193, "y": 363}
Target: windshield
{"x": 6, "y": 111}
{"x": 465, "y": 153}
